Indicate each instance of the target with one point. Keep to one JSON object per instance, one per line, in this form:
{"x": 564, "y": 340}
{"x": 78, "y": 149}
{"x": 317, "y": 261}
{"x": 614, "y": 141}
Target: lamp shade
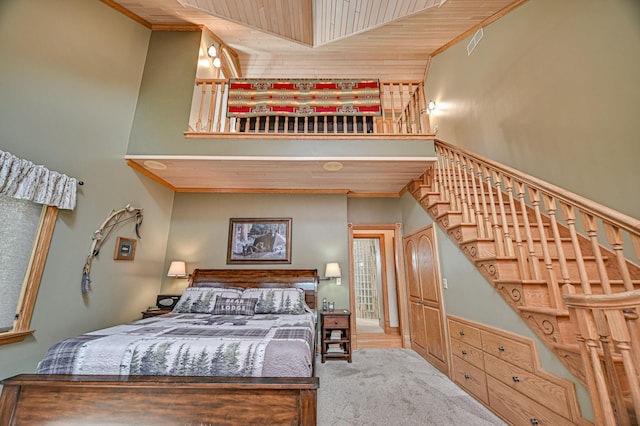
{"x": 178, "y": 268}
{"x": 332, "y": 270}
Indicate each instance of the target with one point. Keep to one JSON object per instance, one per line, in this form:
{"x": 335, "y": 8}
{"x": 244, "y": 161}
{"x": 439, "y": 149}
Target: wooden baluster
{"x": 497, "y": 177}
{"x": 267, "y": 123}
{"x": 552, "y": 282}
{"x": 470, "y": 199}
{"x": 614, "y": 237}
{"x": 212, "y": 107}
{"x": 569, "y": 215}
{"x": 593, "y": 348}
{"x": 455, "y": 195}
{"x": 412, "y": 109}
{"x": 383, "y": 106}
{"x": 476, "y": 204}
{"x": 591, "y": 227}
{"x": 219, "y": 112}
{"x": 585, "y": 328}
{"x": 403, "y": 103}
{"x": 534, "y": 261}
{"x": 443, "y": 186}
{"x": 488, "y": 229}
{"x": 462, "y": 177}
{"x": 498, "y": 238}
{"x": 551, "y": 207}
{"x": 203, "y": 94}
{"x": 520, "y": 252}
{"x": 632, "y": 318}
{"x": 610, "y": 323}
{"x": 424, "y": 118}
{"x": 395, "y": 128}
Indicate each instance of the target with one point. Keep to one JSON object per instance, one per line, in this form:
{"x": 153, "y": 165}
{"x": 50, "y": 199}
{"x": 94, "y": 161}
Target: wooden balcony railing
{"x": 403, "y": 114}
{"x": 586, "y": 254}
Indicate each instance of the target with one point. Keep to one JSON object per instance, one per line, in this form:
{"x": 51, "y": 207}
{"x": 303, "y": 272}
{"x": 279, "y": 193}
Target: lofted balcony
{"x": 402, "y": 113}
{"x": 369, "y": 139}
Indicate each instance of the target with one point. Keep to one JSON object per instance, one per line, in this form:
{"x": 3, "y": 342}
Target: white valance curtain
{"x": 24, "y": 180}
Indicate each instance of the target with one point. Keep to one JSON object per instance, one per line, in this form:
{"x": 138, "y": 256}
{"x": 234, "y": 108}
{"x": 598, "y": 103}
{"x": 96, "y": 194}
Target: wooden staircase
{"x": 566, "y": 265}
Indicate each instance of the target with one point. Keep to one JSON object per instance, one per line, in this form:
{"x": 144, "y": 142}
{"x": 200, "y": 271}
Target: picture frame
{"x": 262, "y": 240}
{"x": 125, "y": 249}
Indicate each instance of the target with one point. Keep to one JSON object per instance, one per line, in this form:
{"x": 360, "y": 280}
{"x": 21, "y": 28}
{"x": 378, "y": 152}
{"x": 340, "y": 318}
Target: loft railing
{"x": 403, "y": 114}
{"x": 585, "y": 252}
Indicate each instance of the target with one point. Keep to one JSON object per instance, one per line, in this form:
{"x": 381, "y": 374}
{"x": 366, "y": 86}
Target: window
{"x": 25, "y": 236}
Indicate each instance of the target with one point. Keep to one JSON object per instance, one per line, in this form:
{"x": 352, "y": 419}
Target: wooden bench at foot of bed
{"x": 31, "y": 399}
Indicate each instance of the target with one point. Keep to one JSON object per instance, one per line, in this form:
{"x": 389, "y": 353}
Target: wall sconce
{"x": 177, "y": 269}
{"x": 431, "y": 105}
{"x": 332, "y": 270}
{"x": 213, "y": 53}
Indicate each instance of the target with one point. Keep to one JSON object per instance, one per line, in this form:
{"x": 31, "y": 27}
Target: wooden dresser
{"x": 501, "y": 370}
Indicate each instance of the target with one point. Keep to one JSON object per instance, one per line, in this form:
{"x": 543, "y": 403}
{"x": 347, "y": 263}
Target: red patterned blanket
{"x": 303, "y": 98}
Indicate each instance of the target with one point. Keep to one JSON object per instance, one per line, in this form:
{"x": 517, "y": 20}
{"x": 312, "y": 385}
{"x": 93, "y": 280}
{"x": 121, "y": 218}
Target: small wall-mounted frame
{"x": 125, "y": 249}
{"x": 259, "y": 241}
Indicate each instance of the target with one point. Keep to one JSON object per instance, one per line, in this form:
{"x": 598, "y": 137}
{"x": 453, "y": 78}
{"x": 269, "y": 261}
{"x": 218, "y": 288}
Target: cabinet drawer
{"x": 335, "y": 321}
{"x": 470, "y": 378}
{"x": 508, "y": 350}
{"x": 468, "y": 353}
{"x": 535, "y": 387}
{"x": 464, "y": 333}
{"x": 517, "y": 409}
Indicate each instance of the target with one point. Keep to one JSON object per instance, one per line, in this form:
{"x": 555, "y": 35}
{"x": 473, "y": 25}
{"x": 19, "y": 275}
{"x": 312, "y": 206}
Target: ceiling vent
{"x": 474, "y": 41}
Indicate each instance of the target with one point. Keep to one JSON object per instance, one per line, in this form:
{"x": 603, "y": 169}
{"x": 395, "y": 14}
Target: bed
{"x": 252, "y": 362}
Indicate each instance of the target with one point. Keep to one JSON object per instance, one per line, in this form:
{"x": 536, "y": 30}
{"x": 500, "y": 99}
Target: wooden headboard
{"x": 306, "y": 279}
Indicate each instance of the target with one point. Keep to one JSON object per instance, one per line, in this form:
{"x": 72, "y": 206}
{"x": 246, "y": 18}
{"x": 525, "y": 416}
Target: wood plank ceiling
{"x": 391, "y": 40}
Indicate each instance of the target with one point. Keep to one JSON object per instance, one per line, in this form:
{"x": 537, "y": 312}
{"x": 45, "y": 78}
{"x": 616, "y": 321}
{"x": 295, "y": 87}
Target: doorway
{"x": 377, "y": 286}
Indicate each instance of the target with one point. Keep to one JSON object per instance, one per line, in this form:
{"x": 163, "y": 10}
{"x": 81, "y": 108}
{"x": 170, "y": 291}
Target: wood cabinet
{"x": 501, "y": 370}
{"x": 425, "y": 298}
{"x": 335, "y": 335}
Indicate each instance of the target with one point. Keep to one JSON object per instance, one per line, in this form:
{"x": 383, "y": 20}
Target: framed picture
{"x": 259, "y": 241}
{"x": 125, "y": 249}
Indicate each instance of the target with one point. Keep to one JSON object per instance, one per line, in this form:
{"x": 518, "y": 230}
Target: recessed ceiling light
{"x": 332, "y": 166}
{"x": 155, "y": 165}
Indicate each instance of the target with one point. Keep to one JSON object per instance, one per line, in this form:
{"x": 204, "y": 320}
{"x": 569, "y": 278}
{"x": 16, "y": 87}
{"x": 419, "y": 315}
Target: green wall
{"x": 69, "y": 79}
{"x": 200, "y": 230}
{"x": 552, "y": 89}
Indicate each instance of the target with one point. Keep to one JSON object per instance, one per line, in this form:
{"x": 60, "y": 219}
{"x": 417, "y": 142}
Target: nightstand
{"x": 336, "y": 335}
{"x": 154, "y": 312}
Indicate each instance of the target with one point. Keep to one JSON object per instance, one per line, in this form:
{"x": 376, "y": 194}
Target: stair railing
{"x": 594, "y": 273}
{"x": 403, "y": 104}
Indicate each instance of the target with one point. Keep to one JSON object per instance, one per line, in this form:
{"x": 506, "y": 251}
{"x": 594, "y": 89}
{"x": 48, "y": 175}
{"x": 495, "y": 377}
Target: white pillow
{"x": 202, "y": 299}
{"x": 277, "y": 300}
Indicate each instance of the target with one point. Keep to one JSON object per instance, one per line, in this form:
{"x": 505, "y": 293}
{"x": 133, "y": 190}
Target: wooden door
{"x": 418, "y": 332}
{"x": 427, "y": 313}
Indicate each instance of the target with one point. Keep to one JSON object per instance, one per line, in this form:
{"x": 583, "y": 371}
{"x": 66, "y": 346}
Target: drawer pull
{"x": 516, "y": 379}
{"x": 461, "y": 333}
{"x": 534, "y": 421}
{"x": 335, "y": 322}
{"x": 466, "y": 376}
{"x": 464, "y": 352}
{"x": 501, "y": 348}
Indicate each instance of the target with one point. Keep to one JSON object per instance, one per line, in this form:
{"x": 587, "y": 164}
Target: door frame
{"x": 401, "y": 284}
{"x": 383, "y": 277}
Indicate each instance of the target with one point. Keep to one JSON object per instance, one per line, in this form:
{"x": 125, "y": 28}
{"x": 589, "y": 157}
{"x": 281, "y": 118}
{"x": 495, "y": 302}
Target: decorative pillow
{"x": 277, "y": 300}
{"x": 202, "y": 300}
{"x": 234, "y": 306}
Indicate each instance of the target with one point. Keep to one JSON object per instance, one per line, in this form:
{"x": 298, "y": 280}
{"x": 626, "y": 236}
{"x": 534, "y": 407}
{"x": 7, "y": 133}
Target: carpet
{"x": 393, "y": 387}
{"x": 303, "y": 98}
